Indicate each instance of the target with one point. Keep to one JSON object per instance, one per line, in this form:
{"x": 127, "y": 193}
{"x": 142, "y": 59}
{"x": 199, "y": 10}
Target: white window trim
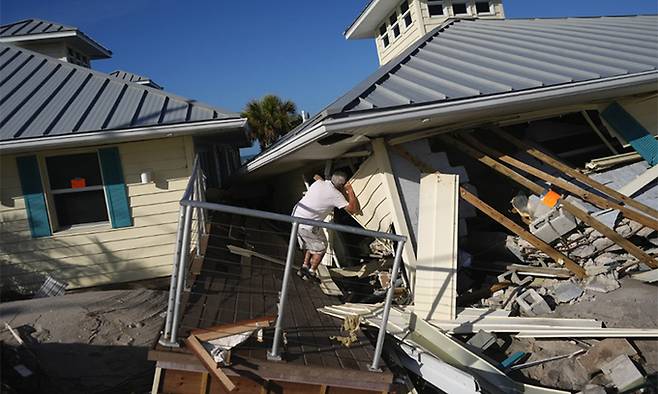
{"x": 469, "y": 7}
{"x": 443, "y": 5}
{"x": 49, "y": 193}
{"x": 400, "y": 23}
{"x": 491, "y": 11}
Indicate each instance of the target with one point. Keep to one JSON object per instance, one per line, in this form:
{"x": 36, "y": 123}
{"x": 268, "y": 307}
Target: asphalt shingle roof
{"x": 42, "y": 96}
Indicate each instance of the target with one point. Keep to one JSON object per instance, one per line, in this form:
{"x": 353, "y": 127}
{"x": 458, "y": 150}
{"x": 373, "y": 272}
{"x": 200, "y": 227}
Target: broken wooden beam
{"x": 579, "y": 176}
{"x": 225, "y": 330}
{"x": 208, "y": 362}
{"x": 561, "y": 183}
{"x": 537, "y": 189}
{"x": 503, "y": 220}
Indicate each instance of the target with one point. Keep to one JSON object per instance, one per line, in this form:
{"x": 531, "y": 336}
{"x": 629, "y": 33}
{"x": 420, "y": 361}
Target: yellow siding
{"x": 94, "y": 255}
{"x": 404, "y": 41}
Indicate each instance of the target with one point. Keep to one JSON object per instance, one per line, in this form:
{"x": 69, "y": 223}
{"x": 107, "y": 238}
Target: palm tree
{"x": 270, "y": 117}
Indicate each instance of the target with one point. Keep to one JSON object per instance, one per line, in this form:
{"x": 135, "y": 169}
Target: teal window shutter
{"x": 640, "y": 139}
{"x": 115, "y": 187}
{"x": 35, "y": 200}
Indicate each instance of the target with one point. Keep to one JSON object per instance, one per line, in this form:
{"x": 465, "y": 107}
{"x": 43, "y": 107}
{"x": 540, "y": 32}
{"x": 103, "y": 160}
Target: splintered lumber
{"x": 593, "y": 333}
{"x": 537, "y": 189}
{"x": 211, "y": 365}
{"x": 570, "y": 187}
{"x": 558, "y": 165}
{"x": 504, "y": 220}
{"x": 327, "y": 285}
{"x": 226, "y": 330}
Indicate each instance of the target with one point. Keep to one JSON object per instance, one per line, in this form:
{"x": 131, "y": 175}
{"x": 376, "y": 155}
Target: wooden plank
{"x": 558, "y": 165}
{"x": 561, "y": 183}
{"x": 225, "y": 330}
{"x": 193, "y": 344}
{"x": 435, "y": 291}
{"x": 537, "y": 189}
{"x": 203, "y": 389}
{"x": 503, "y": 220}
{"x": 155, "y": 388}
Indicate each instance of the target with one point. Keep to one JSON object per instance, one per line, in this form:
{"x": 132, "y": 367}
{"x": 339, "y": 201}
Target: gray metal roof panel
{"x": 466, "y": 58}
{"x": 42, "y": 96}
{"x": 32, "y": 26}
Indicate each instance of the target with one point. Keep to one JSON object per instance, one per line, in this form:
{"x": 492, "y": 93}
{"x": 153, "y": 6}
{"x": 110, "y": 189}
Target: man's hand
{"x": 352, "y": 203}
{"x": 318, "y": 177}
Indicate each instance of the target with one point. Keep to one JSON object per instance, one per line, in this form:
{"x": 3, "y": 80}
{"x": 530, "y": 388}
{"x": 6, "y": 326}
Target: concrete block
{"x": 567, "y": 291}
{"x": 553, "y": 225}
{"x": 603, "y": 352}
{"x": 482, "y": 340}
{"x": 623, "y": 373}
{"x": 583, "y": 251}
{"x": 602, "y": 283}
{"x": 532, "y": 304}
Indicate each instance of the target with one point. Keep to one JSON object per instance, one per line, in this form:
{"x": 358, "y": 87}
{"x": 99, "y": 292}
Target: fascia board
{"x": 123, "y": 135}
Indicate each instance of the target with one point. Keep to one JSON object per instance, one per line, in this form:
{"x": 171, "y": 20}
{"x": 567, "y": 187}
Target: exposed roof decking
{"x": 43, "y": 96}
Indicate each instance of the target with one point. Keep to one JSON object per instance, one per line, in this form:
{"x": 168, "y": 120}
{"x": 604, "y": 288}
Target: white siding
{"x": 94, "y": 255}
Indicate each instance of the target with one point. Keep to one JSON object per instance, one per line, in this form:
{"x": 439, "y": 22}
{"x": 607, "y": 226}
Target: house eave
{"x": 100, "y": 52}
{"x": 123, "y": 135}
{"x": 365, "y": 25}
{"x": 478, "y": 107}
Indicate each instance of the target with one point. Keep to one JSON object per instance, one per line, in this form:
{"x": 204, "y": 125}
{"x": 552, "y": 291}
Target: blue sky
{"x": 228, "y": 52}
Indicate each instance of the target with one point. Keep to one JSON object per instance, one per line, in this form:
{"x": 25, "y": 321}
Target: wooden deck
{"x": 230, "y": 288}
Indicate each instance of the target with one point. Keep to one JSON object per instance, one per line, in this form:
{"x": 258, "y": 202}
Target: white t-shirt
{"x": 319, "y": 201}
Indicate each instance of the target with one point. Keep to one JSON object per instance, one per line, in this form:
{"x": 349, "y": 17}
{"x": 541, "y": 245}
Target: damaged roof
{"x": 470, "y": 58}
{"x": 46, "y": 97}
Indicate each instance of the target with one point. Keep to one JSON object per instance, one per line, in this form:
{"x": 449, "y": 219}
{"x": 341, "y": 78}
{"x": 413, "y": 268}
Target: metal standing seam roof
{"x": 469, "y": 58}
{"x": 140, "y": 79}
{"x": 42, "y": 96}
{"x": 16, "y": 31}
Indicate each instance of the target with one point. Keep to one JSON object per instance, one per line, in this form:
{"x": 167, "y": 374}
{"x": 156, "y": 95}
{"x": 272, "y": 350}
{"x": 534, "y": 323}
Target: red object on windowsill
{"x": 77, "y": 183}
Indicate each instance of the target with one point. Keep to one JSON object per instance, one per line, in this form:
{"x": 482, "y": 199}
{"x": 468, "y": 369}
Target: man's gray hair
{"x": 339, "y": 179}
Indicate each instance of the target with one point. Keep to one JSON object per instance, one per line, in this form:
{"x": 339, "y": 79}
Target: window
{"x": 406, "y": 14}
{"x": 77, "y": 190}
{"x": 393, "y": 19}
{"x": 384, "y": 35}
{"x": 482, "y": 7}
{"x": 459, "y": 8}
{"x": 435, "y": 8}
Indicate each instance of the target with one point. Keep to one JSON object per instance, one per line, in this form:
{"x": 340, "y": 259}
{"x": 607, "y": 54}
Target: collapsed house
{"x": 516, "y": 157}
{"x": 93, "y": 164}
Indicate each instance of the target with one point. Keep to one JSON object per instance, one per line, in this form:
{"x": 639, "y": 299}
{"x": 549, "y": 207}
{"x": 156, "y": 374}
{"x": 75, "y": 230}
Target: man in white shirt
{"x": 318, "y": 202}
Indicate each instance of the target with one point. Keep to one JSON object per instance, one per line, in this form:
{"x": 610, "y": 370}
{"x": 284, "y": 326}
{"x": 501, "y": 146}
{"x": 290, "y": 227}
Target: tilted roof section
{"x": 470, "y": 58}
{"x": 44, "y": 97}
{"x": 130, "y": 77}
{"x": 33, "y": 29}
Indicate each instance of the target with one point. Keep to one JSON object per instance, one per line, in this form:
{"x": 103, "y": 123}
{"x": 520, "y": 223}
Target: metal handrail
{"x": 194, "y": 199}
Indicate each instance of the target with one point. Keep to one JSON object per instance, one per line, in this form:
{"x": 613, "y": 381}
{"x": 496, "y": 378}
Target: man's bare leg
{"x": 315, "y": 260}
{"x": 307, "y": 259}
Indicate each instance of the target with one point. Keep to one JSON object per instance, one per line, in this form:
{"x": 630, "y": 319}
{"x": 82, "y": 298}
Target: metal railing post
{"x": 198, "y": 210}
{"x": 166, "y": 339}
{"x": 274, "y": 353}
{"x": 184, "y": 252}
{"x": 387, "y": 308}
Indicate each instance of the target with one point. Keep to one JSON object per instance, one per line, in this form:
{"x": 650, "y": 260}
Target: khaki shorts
{"x": 312, "y": 239}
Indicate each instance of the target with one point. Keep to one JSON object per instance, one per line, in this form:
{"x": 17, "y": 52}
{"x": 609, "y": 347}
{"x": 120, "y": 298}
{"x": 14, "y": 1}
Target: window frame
{"x": 466, "y": 3}
{"x": 442, "y": 3}
{"x": 395, "y": 30}
{"x": 491, "y": 7}
{"x": 50, "y": 193}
